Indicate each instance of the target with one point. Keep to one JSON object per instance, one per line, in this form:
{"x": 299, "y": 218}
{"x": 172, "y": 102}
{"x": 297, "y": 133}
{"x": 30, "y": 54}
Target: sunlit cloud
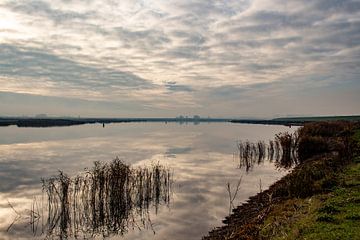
{"x": 176, "y": 56}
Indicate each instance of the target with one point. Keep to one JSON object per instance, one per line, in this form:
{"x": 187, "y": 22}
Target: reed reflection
{"x": 108, "y": 199}
{"x": 282, "y": 150}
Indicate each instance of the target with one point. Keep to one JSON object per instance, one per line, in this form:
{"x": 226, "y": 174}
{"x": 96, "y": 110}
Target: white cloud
{"x": 203, "y": 46}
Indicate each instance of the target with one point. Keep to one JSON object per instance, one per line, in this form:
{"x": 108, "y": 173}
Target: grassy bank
{"x": 320, "y": 118}
{"x": 319, "y": 199}
{"x": 332, "y": 215}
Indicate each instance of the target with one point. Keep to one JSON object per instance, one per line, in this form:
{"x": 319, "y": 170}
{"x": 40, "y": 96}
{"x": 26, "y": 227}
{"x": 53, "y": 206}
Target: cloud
{"x": 172, "y": 86}
{"x": 348, "y": 6}
{"x": 179, "y": 150}
{"x": 44, "y": 9}
{"x": 24, "y": 62}
{"x": 146, "y": 39}
{"x": 131, "y": 49}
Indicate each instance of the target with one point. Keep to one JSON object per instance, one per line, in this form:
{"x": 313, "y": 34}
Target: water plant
{"x": 108, "y": 199}
{"x": 291, "y": 149}
{"x": 283, "y": 149}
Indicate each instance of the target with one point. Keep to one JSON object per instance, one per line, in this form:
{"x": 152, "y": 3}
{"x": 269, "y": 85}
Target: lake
{"x": 202, "y": 160}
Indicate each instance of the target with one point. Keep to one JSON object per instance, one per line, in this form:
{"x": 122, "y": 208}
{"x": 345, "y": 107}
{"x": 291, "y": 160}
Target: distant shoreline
{"x": 59, "y": 122}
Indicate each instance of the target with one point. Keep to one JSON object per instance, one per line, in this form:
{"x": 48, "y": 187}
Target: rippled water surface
{"x": 201, "y": 158}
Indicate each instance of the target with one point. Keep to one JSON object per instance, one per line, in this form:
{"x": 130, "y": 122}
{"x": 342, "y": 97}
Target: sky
{"x": 163, "y": 58}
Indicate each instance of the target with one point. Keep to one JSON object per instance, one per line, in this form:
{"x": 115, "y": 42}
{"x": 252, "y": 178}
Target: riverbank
{"x": 68, "y": 121}
{"x": 319, "y": 199}
{"x": 63, "y": 122}
{"x": 332, "y": 215}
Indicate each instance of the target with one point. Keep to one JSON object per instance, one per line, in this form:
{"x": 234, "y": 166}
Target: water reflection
{"x": 282, "y": 150}
{"x": 107, "y": 200}
{"x": 201, "y": 157}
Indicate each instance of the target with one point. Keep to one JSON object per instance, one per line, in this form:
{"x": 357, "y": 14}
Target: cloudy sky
{"x": 132, "y": 58}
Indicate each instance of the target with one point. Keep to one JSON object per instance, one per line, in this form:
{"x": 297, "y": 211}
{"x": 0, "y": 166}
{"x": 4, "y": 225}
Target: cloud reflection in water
{"x": 203, "y": 166}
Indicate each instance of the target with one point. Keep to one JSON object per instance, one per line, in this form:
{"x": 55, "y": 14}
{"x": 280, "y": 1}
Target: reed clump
{"x": 251, "y": 153}
{"x": 322, "y": 149}
{"x": 108, "y": 199}
{"x": 283, "y": 149}
{"x": 288, "y": 144}
{"x": 291, "y": 149}
{"x": 316, "y": 171}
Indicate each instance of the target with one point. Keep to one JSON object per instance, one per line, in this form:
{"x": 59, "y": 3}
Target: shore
{"x": 69, "y": 121}
{"x": 311, "y": 202}
{"x": 59, "y": 122}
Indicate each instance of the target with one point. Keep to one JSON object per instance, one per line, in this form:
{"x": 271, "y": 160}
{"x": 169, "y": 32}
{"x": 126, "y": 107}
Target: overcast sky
{"x": 153, "y": 58}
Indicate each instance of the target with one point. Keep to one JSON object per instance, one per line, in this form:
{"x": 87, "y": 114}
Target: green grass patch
{"x": 335, "y": 215}
{"x": 356, "y": 135}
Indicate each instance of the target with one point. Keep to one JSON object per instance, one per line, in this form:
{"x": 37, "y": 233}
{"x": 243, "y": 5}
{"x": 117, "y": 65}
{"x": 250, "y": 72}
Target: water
{"x": 202, "y": 159}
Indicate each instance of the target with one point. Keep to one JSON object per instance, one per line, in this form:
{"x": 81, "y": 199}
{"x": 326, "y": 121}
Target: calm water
{"x": 201, "y": 157}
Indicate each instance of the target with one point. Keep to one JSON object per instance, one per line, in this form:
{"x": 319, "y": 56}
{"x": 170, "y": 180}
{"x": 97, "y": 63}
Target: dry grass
{"x": 316, "y": 173}
{"x": 283, "y": 149}
{"x": 105, "y": 200}
{"x": 289, "y": 150}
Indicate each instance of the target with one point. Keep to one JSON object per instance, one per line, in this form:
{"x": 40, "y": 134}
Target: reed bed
{"x": 282, "y": 149}
{"x": 108, "y": 199}
{"x": 321, "y": 149}
{"x": 291, "y": 149}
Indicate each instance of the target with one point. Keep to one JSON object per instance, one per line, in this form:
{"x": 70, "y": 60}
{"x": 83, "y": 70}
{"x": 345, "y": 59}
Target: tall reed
{"x": 108, "y": 199}
{"x": 283, "y": 149}
{"x": 289, "y": 149}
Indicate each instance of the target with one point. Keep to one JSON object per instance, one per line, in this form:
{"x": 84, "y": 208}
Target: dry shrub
{"x": 317, "y": 175}
{"x": 325, "y": 137}
{"x": 310, "y": 146}
{"x": 325, "y": 129}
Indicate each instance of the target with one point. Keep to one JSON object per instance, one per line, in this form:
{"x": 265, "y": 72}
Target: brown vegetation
{"x": 105, "y": 200}
{"x": 282, "y": 149}
{"x": 320, "y": 150}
